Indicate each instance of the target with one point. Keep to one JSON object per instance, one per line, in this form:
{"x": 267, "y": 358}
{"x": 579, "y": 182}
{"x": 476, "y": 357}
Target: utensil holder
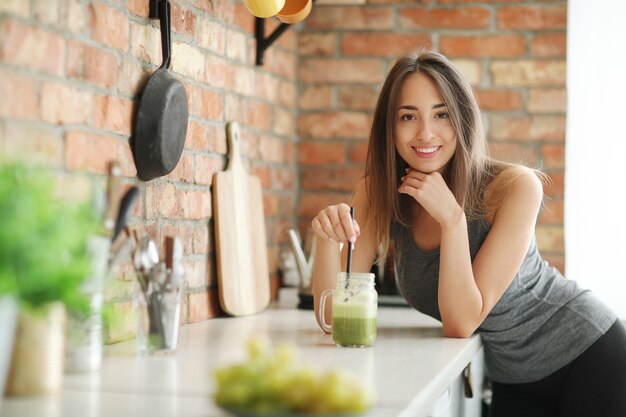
{"x": 157, "y": 311}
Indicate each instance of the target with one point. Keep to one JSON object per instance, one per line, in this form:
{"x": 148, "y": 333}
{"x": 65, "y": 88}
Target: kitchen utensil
{"x": 162, "y": 117}
{"x": 126, "y": 206}
{"x": 264, "y": 8}
{"x": 304, "y": 261}
{"x": 241, "y": 246}
{"x": 295, "y": 11}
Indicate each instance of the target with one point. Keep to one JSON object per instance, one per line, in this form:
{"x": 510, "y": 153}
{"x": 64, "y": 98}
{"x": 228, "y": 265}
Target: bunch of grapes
{"x": 270, "y": 381}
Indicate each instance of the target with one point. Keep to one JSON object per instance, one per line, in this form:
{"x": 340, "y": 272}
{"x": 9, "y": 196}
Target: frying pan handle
{"x": 166, "y": 37}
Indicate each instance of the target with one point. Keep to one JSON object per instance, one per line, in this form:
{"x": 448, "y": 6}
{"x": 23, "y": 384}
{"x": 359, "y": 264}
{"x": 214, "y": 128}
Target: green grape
{"x": 270, "y": 382}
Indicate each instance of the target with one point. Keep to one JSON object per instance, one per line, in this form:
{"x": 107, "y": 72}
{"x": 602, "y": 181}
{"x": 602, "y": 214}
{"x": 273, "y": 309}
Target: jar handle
{"x": 325, "y": 326}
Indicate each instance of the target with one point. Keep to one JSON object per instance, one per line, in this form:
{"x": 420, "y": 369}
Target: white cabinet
{"x": 454, "y": 402}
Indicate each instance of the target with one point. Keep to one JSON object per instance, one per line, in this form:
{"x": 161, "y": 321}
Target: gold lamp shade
{"x": 264, "y": 8}
{"x": 295, "y": 11}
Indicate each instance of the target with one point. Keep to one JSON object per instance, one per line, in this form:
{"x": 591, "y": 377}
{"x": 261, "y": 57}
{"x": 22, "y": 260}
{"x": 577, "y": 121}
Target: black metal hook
{"x": 262, "y": 43}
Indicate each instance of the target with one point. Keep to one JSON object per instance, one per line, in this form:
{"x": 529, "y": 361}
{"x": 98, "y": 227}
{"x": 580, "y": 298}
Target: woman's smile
{"x": 426, "y": 152}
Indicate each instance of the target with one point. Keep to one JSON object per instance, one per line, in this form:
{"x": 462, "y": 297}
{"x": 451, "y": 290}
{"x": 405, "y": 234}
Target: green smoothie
{"x": 354, "y": 324}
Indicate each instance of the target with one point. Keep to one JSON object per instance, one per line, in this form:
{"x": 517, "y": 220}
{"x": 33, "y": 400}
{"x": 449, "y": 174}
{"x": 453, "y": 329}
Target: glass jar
{"x": 354, "y": 310}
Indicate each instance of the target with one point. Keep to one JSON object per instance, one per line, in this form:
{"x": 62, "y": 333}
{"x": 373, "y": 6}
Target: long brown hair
{"x": 470, "y": 168}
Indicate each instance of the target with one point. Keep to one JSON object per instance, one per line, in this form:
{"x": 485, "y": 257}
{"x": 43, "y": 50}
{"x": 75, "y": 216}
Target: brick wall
{"x": 71, "y": 72}
{"x": 70, "y": 75}
{"x": 513, "y": 52}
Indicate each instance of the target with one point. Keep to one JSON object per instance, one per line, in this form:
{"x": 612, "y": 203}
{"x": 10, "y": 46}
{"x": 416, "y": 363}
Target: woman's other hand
{"x": 432, "y": 193}
{"x": 335, "y": 223}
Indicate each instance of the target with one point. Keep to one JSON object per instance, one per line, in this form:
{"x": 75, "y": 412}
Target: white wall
{"x": 595, "y": 152}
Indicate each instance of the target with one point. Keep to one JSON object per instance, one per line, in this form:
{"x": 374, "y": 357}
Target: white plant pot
{"x": 8, "y": 321}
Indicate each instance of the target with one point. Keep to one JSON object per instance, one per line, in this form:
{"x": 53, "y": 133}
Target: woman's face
{"x": 425, "y": 138}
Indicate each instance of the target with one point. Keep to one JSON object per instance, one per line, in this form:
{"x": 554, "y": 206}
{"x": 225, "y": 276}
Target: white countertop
{"x": 410, "y": 365}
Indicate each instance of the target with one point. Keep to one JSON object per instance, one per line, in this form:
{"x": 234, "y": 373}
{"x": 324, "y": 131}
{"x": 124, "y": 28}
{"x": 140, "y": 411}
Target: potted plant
{"x": 43, "y": 261}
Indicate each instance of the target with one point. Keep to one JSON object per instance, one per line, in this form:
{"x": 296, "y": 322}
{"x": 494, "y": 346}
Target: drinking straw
{"x": 349, "y": 263}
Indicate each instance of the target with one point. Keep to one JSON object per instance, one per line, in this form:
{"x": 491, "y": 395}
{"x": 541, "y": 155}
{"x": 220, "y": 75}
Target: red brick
{"x": 317, "y": 44}
{"x": 37, "y": 49}
{"x": 243, "y": 18}
{"x": 315, "y": 98}
{"x": 17, "y": 7}
{"x": 499, "y": 99}
{"x": 211, "y": 35}
{"x": 19, "y": 96}
{"x": 92, "y": 64}
{"x": 196, "y": 274}
{"x": 218, "y": 73}
{"x": 237, "y": 46}
{"x": 113, "y": 113}
{"x": 478, "y": 1}
{"x": 341, "y": 71}
{"x": 271, "y": 205}
{"x": 90, "y": 152}
{"x": 532, "y": 17}
{"x": 358, "y": 152}
{"x": 35, "y": 145}
{"x": 284, "y": 122}
{"x": 207, "y": 104}
{"x": 514, "y": 152}
{"x": 271, "y": 149}
{"x": 183, "y": 20}
{"x": 459, "y": 18}
{"x": 310, "y": 204}
{"x": 549, "y": 100}
{"x": 553, "y": 156}
{"x": 63, "y": 104}
{"x": 203, "y": 305}
{"x": 281, "y": 62}
{"x": 201, "y": 239}
{"x": 132, "y": 77}
{"x": 196, "y": 204}
{"x": 285, "y": 179}
{"x": 398, "y": 1}
{"x": 184, "y": 170}
{"x": 483, "y": 46}
{"x": 109, "y": 26}
{"x": 162, "y": 201}
{"x": 188, "y": 60}
{"x": 549, "y": 45}
{"x": 556, "y": 187}
{"x": 388, "y": 45}
{"x": 197, "y": 136}
{"x": 184, "y": 231}
{"x": 205, "y": 167}
{"x": 322, "y": 153}
{"x": 358, "y": 98}
{"x": 527, "y": 128}
{"x": 350, "y": 18}
{"x": 287, "y": 93}
{"x": 334, "y": 124}
{"x": 264, "y": 173}
{"x": 145, "y": 43}
{"x": 330, "y": 179}
{"x": 139, "y": 7}
{"x": 217, "y": 139}
{"x": 257, "y": 114}
{"x": 528, "y": 73}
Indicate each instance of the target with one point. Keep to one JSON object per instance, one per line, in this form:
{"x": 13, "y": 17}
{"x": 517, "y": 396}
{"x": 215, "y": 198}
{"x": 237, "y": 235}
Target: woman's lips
{"x": 427, "y": 152}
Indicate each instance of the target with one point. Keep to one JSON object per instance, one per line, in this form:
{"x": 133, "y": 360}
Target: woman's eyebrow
{"x": 407, "y": 107}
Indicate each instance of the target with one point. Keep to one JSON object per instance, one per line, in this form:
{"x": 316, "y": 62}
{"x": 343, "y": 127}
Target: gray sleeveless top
{"x": 542, "y": 322}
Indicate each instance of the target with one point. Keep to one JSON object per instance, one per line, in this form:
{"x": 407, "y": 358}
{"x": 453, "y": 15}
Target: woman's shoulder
{"x": 514, "y": 180}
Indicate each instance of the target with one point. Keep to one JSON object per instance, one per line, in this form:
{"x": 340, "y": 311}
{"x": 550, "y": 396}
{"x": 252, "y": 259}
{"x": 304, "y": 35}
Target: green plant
{"x": 43, "y": 241}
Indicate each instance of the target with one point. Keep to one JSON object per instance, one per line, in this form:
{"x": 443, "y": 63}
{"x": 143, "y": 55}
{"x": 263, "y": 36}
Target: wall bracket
{"x": 262, "y": 43}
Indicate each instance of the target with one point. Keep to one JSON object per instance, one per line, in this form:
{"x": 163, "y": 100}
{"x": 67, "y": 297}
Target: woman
{"x": 462, "y": 225}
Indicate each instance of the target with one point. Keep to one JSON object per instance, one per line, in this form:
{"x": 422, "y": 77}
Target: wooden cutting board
{"x": 241, "y": 246}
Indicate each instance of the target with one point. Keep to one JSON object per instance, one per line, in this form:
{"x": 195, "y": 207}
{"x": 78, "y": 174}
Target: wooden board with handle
{"x": 241, "y": 246}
